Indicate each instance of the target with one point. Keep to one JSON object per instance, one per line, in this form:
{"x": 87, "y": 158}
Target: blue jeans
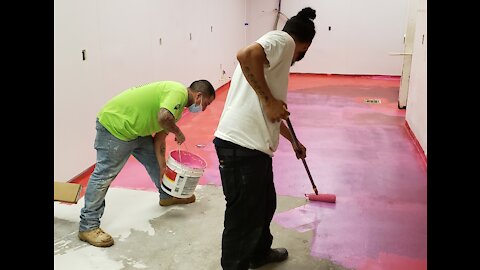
{"x": 112, "y": 154}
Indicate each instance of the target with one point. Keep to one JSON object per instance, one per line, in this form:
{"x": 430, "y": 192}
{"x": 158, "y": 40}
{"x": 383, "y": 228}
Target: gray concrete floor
{"x": 184, "y": 237}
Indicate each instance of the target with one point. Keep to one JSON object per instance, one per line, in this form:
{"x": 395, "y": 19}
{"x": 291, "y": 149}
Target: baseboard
{"x": 224, "y": 86}
{"x": 417, "y": 144}
{"x": 81, "y": 176}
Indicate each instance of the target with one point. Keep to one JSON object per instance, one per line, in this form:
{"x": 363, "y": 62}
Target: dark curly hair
{"x": 301, "y": 26}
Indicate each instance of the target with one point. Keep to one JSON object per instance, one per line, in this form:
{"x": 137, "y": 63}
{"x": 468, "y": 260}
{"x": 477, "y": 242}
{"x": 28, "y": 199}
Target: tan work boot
{"x": 175, "y": 200}
{"x": 96, "y": 237}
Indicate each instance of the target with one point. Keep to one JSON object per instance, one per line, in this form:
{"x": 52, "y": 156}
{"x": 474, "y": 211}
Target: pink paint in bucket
{"x": 182, "y": 174}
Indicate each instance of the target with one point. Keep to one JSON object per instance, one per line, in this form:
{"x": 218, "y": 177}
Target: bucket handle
{"x": 178, "y": 149}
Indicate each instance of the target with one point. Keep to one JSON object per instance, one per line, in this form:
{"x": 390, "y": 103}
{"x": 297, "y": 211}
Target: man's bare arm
{"x": 251, "y": 59}
{"x": 167, "y": 122}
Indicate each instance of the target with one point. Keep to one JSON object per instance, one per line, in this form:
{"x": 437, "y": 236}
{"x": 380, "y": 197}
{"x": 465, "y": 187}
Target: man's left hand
{"x": 301, "y": 151}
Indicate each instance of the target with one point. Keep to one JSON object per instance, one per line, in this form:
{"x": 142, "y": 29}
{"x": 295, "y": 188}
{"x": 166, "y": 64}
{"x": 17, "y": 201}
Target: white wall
{"x": 416, "y": 114}
{"x": 407, "y": 54}
{"x": 77, "y": 88}
{"x": 362, "y": 34}
{"x": 122, "y": 43}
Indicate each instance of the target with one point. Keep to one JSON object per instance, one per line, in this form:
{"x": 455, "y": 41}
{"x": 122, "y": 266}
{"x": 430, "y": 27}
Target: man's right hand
{"x": 162, "y": 172}
{"x": 276, "y": 110}
{"x": 179, "y": 137}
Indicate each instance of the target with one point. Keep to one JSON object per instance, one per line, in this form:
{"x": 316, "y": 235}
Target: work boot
{"x": 275, "y": 255}
{"x": 96, "y": 237}
{"x": 175, "y": 200}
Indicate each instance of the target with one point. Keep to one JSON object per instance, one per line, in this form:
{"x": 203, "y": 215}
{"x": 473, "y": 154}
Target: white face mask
{"x": 194, "y": 108}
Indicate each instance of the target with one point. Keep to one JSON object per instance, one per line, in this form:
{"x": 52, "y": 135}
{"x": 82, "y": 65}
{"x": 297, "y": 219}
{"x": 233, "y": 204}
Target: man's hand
{"x": 167, "y": 122}
{"x": 301, "y": 151}
{"x": 276, "y": 110}
{"x": 159, "y": 144}
{"x": 179, "y": 137}
{"x": 163, "y": 168}
{"x": 162, "y": 172}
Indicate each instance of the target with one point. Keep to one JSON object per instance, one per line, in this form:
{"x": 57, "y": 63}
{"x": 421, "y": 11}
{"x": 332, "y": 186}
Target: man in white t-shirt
{"x": 247, "y": 136}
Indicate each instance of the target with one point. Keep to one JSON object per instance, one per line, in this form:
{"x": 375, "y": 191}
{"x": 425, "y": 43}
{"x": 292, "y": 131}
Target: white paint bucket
{"x": 182, "y": 174}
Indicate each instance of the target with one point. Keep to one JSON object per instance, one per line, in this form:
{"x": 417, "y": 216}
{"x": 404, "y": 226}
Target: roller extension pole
{"x": 313, "y": 197}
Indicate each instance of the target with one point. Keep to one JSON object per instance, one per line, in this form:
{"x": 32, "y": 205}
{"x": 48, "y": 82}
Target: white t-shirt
{"x": 243, "y": 120}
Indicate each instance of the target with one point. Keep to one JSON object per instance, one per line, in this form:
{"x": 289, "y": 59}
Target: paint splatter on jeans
{"x": 112, "y": 154}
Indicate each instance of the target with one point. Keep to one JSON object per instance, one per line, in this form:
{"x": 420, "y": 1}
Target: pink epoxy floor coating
{"x": 360, "y": 152}
{"x": 363, "y": 154}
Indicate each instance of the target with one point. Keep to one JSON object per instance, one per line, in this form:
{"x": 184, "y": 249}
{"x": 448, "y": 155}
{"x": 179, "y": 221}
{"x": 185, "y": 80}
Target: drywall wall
{"x": 416, "y": 114}
{"x": 126, "y": 43}
{"x": 353, "y": 37}
{"x": 407, "y": 54}
{"x": 77, "y": 86}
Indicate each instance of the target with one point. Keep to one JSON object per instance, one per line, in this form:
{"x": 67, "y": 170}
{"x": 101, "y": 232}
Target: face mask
{"x": 194, "y": 108}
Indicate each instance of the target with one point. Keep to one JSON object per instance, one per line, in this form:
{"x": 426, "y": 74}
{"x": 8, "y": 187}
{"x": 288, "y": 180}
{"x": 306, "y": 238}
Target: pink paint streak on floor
{"x": 363, "y": 154}
{"x": 360, "y": 152}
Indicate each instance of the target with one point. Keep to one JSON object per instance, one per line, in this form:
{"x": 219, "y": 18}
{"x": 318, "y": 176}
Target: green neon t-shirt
{"x": 134, "y": 112}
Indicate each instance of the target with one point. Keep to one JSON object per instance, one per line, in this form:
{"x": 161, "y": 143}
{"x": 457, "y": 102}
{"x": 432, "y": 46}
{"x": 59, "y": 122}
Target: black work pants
{"x": 247, "y": 181}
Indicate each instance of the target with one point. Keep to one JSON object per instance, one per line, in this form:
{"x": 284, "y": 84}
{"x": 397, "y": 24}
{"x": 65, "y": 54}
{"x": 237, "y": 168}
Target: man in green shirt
{"x": 136, "y": 122}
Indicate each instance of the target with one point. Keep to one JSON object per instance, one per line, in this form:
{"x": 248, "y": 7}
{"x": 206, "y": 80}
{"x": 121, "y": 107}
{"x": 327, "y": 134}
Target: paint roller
{"x": 330, "y": 198}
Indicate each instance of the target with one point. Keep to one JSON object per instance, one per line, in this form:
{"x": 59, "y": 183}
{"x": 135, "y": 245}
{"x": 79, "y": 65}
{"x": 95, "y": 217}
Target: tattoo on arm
{"x": 159, "y": 142}
{"x": 260, "y": 91}
{"x": 167, "y": 121}
{"x": 162, "y": 149}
